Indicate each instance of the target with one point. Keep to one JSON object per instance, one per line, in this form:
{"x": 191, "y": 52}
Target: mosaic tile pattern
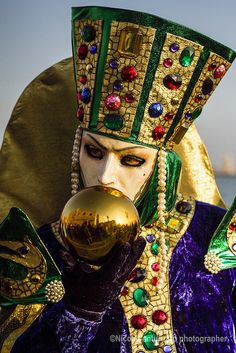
{"x": 158, "y": 300}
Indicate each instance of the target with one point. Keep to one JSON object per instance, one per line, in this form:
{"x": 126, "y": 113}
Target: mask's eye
{"x": 94, "y": 152}
{"x": 132, "y": 161}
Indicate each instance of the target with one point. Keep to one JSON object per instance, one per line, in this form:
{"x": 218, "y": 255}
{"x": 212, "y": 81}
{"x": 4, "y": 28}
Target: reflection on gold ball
{"x": 97, "y": 218}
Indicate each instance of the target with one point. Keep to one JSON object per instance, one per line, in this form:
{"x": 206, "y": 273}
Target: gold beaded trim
{"x": 231, "y": 236}
{"x": 177, "y": 224}
{"x": 170, "y": 99}
{"x": 87, "y": 66}
{"x": 121, "y": 47}
{"x": 197, "y": 99}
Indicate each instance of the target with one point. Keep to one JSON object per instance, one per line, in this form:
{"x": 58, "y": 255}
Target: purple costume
{"x": 202, "y": 304}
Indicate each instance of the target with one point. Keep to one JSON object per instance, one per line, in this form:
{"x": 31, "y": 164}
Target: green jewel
{"x": 186, "y": 57}
{"x": 88, "y": 33}
{"x": 154, "y": 249}
{"x": 150, "y": 340}
{"x": 141, "y": 297}
{"x": 113, "y": 122}
{"x": 196, "y": 113}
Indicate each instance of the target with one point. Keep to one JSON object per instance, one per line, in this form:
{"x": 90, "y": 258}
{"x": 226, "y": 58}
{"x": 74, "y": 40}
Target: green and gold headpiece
{"x": 141, "y": 78}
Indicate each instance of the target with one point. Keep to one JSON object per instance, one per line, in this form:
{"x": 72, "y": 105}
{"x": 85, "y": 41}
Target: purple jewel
{"x": 118, "y": 85}
{"x": 234, "y": 247}
{"x": 174, "y": 47}
{"x": 188, "y": 116}
{"x": 114, "y": 63}
{"x": 150, "y": 238}
{"x": 93, "y": 49}
{"x": 167, "y": 349}
{"x": 23, "y": 250}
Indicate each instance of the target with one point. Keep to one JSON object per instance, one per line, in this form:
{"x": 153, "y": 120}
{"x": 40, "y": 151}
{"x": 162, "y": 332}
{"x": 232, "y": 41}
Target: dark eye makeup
{"x": 94, "y": 152}
{"x": 132, "y": 161}
{"x": 127, "y": 160}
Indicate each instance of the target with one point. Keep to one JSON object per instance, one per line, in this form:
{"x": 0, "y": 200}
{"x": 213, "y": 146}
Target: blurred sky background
{"x": 36, "y": 34}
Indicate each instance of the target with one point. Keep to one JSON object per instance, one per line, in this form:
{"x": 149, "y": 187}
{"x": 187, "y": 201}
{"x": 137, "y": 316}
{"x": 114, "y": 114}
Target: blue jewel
{"x": 174, "y": 47}
{"x": 155, "y": 110}
{"x": 114, "y": 63}
{"x": 93, "y": 49}
{"x": 118, "y": 85}
{"x": 85, "y": 95}
{"x": 167, "y": 349}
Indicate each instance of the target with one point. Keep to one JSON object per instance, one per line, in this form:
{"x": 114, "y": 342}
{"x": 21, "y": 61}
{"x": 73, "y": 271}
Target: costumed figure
{"x": 141, "y": 81}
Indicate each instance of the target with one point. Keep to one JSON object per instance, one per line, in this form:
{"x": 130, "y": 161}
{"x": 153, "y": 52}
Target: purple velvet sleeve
{"x": 57, "y": 330}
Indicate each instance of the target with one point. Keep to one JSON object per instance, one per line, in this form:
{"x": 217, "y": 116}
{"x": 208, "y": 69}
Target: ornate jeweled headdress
{"x": 141, "y": 78}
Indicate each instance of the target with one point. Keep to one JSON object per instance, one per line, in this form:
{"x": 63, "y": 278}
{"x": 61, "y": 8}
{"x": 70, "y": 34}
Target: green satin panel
{"x": 219, "y": 243}
{"x": 147, "y": 204}
{"x": 15, "y": 228}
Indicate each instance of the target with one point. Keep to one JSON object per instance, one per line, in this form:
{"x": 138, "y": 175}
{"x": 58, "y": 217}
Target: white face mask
{"x": 121, "y": 165}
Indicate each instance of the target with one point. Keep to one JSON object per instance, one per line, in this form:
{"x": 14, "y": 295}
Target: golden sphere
{"x": 97, "y": 218}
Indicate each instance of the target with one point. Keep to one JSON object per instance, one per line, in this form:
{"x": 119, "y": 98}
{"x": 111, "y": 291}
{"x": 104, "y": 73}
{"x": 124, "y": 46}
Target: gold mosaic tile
{"x": 87, "y": 66}
{"x": 139, "y": 60}
{"x": 159, "y": 300}
{"x": 193, "y": 103}
{"x": 170, "y": 99}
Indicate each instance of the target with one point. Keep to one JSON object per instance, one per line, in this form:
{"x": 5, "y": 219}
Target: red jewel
{"x": 129, "y": 97}
{"x": 80, "y": 113}
{"x": 129, "y": 73}
{"x": 148, "y": 226}
{"x": 198, "y": 98}
{"x": 220, "y": 71}
{"x": 83, "y": 79}
{"x": 124, "y": 291}
{"x": 154, "y": 281}
{"x": 155, "y": 266}
{"x": 138, "y": 321}
{"x": 158, "y": 132}
{"x": 168, "y": 62}
{"x": 169, "y": 116}
{"x": 212, "y": 67}
{"x": 82, "y": 51}
{"x": 159, "y": 317}
{"x": 113, "y": 102}
{"x": 232, "y": 226}
{"x": 173, "y": 82}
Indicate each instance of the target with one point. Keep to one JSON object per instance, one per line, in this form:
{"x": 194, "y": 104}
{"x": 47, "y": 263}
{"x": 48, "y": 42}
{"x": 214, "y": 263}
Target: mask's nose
{"x": 108, "y": 171}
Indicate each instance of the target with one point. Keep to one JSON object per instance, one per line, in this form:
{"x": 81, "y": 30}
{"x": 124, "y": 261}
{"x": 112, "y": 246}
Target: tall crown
{"x": 141, "y": 78}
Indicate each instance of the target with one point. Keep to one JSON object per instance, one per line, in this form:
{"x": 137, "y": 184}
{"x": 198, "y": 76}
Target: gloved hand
{"x": 89, "y": 293}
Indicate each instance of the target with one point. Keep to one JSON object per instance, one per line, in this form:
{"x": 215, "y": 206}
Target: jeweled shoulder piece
{"x": 141, "y": 78}
{"x": 221, "y": 253}
{"x": 28, "y": 274}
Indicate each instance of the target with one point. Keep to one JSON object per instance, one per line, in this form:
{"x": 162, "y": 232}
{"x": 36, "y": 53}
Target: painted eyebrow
{"x": 116, "y": 150}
